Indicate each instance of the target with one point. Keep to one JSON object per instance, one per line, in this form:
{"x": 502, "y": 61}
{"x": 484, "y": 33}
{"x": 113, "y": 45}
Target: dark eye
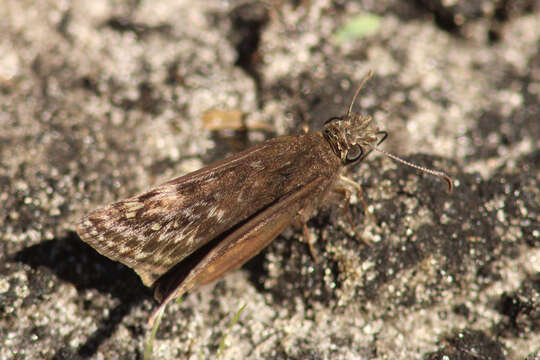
{"x": 354, "y": 154}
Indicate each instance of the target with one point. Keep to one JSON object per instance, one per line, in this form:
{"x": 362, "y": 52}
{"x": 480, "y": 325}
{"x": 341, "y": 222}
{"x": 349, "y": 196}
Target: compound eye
{"x": 354, "y": 153}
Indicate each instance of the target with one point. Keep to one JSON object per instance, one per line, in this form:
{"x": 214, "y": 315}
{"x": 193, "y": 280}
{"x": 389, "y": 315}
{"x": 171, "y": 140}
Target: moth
{"x": 193, "y": 229}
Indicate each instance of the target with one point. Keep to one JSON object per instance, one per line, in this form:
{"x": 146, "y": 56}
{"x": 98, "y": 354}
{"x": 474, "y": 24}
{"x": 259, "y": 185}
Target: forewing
{"x": 153, "y": 231}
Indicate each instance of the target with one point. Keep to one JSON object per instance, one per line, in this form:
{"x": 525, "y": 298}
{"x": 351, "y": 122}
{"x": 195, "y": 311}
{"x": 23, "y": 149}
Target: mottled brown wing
{"x": 242, "y": 244}
{"x": 154, "y": 231}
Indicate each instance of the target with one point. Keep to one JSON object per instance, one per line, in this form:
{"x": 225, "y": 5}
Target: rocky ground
{"x": 100, "y": 100}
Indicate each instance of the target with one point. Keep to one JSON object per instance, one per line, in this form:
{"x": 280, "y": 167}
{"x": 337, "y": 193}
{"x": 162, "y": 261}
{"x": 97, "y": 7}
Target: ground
{"x": 100, "y": 100}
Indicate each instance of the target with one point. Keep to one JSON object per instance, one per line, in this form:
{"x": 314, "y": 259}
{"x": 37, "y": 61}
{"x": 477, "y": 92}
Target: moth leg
{"x": 346, "y": 193}
{"x": 300, "y": 223}
{"x": 346, "y": 209}
{"x": 359, "y": 194}
{"x": 308, "y": 237}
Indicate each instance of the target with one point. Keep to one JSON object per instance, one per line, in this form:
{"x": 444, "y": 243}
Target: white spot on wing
{"x": 191, "y": 240}
{"x": 140, "y": 255}
{"x": 212, "y": 212}
{"x": 257, "y": 165}
{"x": 133, "y": 205}
{"x": 216, "y": 213}
{"x": 122, "y": 249}
{"x": 219, "y": 214}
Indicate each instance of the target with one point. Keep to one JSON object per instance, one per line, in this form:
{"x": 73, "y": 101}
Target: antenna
{"x": 437, "y": 173}
{"x": 362, "y": 83}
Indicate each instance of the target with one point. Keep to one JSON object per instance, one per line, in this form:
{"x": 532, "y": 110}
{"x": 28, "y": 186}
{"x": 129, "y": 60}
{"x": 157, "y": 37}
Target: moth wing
{"x": 153, "y": 231}
{"x": 239, "y": 246}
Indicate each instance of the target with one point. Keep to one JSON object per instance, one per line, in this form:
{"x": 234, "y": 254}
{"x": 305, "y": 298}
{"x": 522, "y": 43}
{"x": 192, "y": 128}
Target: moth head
{"x": 351, "y": 137}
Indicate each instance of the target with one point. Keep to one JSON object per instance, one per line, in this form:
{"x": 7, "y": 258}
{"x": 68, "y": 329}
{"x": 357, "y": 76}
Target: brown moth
{"x": 193, "y": 229}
